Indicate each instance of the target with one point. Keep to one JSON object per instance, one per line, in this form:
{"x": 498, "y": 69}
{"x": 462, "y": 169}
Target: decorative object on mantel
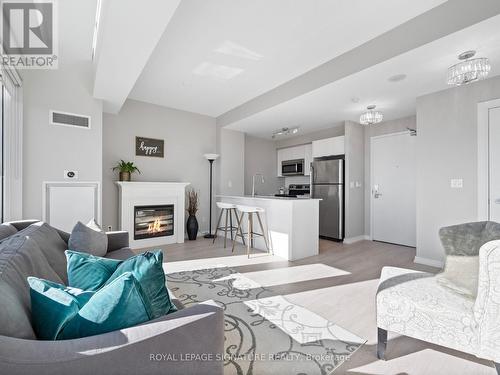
{"x": 126, "y": 169}
{"x": 192, "y": 209}
{"x": 211, "y": 158}
{"x": 149, "y": 147}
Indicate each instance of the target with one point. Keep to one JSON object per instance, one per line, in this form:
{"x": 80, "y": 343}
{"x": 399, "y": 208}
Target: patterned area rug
{"x": 264, "y": 332}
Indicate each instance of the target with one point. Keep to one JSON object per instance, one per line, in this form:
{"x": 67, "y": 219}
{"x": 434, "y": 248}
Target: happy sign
{"x": 149, "y": 147}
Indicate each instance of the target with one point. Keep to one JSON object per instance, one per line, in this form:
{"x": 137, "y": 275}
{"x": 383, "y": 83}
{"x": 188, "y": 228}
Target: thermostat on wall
{"x": 71, "y": 175}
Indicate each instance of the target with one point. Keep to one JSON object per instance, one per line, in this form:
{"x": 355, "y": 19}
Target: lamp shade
{"x": 211, "y": 156}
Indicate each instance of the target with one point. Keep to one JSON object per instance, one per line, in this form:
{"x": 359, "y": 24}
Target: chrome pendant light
{"x": 468, "y": 70}
{"x": 371, "y": 116}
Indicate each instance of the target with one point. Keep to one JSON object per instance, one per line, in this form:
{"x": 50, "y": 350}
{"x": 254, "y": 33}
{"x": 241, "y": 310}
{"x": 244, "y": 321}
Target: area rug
{"x": 264, "y": 332}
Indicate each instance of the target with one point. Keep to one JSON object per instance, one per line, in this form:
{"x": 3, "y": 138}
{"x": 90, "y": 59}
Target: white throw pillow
{"x": 460, "y": 274}
{"x": 89, "y": 239}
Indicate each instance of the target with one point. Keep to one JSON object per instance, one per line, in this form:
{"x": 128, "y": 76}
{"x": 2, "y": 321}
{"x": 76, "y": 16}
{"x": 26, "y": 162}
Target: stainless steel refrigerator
{"x": 327, "y": 183}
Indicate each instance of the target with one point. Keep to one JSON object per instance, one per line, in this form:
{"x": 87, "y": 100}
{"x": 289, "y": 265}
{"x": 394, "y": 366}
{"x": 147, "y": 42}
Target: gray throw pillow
{"x": 89, "y": 239}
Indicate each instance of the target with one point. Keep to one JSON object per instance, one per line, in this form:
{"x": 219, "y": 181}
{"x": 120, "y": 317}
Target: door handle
{"x": 377, "y": 195}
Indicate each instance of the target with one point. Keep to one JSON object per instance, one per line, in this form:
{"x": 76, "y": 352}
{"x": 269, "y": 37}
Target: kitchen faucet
{"x": 253, "y": 182}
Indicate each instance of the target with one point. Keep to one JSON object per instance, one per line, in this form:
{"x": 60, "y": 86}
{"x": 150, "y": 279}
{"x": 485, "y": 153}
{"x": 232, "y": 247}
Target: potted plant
{"x": 192, "y": 208}
{"x": 126, "y": 169}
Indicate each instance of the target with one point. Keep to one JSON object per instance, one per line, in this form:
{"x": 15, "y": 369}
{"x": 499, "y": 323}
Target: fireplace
{"x": 153, "y": 221}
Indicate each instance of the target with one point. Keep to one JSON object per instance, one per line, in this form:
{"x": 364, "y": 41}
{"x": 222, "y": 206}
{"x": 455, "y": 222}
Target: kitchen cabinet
{"x": 293, "y": 153}
{"x": 328, "y": 147}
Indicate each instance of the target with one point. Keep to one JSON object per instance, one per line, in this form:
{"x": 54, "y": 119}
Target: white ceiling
{"x": 218, "y": 54}
{"x": 425, "y": 68}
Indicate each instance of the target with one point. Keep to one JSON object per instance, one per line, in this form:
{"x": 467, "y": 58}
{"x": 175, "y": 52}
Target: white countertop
{"x": 268, "y": 197}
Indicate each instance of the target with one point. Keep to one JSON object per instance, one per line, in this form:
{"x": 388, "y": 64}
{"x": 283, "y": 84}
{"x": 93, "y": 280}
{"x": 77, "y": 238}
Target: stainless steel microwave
{"x": 292, "y": 167}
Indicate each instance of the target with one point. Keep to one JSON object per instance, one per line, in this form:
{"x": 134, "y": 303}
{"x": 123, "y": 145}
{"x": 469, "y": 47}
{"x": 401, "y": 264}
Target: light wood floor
{"x": 338, "y": 284}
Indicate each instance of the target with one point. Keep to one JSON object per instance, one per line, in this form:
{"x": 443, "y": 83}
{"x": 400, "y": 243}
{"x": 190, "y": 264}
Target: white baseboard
{"x": 429, "y": 262}
{"x": 351, "y": 240}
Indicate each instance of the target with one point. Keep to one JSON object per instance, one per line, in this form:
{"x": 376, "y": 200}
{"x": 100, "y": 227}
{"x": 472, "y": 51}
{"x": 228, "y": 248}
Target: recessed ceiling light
{"x": 397, "y": 78}
{"x": 355, "y": 99}
{"x": 208, "y": 69}
{"x": 234, "y": 49}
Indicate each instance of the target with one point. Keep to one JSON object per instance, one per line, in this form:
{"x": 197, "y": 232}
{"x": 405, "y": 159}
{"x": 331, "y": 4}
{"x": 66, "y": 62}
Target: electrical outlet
{"x": 456, "y": 183}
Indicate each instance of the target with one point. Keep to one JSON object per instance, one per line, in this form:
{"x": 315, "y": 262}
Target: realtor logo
{"x": 28, "y": 34}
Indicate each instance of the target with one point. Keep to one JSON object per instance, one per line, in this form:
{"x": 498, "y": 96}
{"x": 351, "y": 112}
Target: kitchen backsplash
{"x": 294, "y": 180}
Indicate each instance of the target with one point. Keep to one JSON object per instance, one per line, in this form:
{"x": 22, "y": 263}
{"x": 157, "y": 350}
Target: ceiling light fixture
{"x": 468, "y": 70}
{"x": 397, "y": 78}
{"x": 285, "y": 131}
{"x": 371, "y": 116}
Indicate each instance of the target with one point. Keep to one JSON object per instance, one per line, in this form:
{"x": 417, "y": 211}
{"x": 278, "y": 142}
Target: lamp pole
{"x": 211, "y": 158}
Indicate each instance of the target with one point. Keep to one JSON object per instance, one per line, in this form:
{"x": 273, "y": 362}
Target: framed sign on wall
{"x": 149, "y": 147}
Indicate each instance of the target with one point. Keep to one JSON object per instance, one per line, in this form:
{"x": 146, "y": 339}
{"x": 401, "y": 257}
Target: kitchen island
{"x": 292, "y": 224}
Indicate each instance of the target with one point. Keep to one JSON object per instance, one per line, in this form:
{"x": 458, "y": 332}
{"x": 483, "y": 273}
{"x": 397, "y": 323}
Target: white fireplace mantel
{"x": 132, "y": 194}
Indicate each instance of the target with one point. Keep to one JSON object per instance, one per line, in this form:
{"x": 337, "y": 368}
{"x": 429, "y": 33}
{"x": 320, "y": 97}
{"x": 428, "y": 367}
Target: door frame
{"x": 371, "y": 171}
{"x": 483, "y": 158}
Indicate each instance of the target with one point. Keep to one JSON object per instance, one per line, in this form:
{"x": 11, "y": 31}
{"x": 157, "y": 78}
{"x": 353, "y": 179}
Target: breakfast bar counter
{"x": 292, "y": 224}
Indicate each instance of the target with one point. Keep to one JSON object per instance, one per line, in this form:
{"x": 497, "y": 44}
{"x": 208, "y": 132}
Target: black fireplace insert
{"x": 153, "y": 221}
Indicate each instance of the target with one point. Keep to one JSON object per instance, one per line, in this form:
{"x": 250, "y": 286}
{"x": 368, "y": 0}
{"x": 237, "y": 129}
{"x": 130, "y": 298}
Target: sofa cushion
{"x": 89, "y": 272}
{"x": 120, "y": 304}
{"x": 51, "y": 244}
{"x": 7, "y": 230}
{"x": 20, "y": 257}
{"x": 53, "y": 305}
{"x": 88, "y": 239}
{"x": 460, "y": 274}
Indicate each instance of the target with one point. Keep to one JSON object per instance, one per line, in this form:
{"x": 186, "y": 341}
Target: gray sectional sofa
{"x": 161, "y": 346}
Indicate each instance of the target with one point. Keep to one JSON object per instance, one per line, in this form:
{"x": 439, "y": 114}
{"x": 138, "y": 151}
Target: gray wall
{"x": 354, "y": 172}
{"x": 231, "y": 146}
{"x": 335, "y": 130}
{"x": 48, "y": 150}
{"x": 387, "y": 127}
{"x": 260, "y": 157}
{"x": 187, "y": 137}
{"x": 446, "y": 149}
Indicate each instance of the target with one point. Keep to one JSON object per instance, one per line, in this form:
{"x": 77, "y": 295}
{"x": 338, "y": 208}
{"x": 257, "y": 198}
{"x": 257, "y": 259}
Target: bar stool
{"x": 249, "y": 210}
{"x": 228, "y": 209}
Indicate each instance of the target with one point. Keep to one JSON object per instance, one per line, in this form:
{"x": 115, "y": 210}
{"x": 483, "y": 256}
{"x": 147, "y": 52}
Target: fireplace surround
{"x": 152, "y": 212}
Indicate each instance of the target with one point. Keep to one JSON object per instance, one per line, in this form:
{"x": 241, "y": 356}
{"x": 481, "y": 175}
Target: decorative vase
{"x": 124, "y": 176}
{"x": 192, "y": 227}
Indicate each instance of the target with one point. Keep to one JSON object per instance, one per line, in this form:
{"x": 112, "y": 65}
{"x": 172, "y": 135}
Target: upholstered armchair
{"x": 417, "y": 305}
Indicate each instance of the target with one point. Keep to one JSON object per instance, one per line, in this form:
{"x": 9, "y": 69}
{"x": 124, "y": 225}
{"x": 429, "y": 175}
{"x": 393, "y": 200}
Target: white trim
{"x": 46, "y": 202}
{"x": 483, "y": 159}
{"x": 70, "y": 114}
{"x": 370, "y": 235}
{"x": 352, "y": 240}
{"x": 429, "y": 262}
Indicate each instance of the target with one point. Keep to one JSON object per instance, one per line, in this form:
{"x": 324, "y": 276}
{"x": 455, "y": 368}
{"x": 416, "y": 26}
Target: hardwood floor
{"x": 338, "y": 284}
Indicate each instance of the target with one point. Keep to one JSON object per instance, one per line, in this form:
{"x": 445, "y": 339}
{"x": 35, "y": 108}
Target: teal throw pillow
{"x": 148, "y": 270}
{"x": 53, "y": 305}
{"x": 118, "y": 305}
{"x": 60, "y": 313}
{"x": 87, "y": 271}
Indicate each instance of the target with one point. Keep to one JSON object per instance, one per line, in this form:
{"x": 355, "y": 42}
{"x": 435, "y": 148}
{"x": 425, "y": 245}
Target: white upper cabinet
{"x": 294, "y": 153}
{"x": 328, "y": 147}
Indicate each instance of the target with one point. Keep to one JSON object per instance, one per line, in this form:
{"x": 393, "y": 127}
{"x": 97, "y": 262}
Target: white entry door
{"x": 494, "y": 158}
{"x": 393, "y": 195}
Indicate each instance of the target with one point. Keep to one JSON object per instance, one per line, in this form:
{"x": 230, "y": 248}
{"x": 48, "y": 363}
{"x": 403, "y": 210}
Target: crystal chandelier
{"x": 468, "y": 70}
{"x": 371, "y": 116}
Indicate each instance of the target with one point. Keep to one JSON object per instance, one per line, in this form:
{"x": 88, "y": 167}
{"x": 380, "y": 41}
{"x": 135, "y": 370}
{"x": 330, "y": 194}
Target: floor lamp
{"x": 211, "y": 158}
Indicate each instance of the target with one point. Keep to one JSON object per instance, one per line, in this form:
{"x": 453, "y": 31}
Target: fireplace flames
{"x": 155, "y": 226}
